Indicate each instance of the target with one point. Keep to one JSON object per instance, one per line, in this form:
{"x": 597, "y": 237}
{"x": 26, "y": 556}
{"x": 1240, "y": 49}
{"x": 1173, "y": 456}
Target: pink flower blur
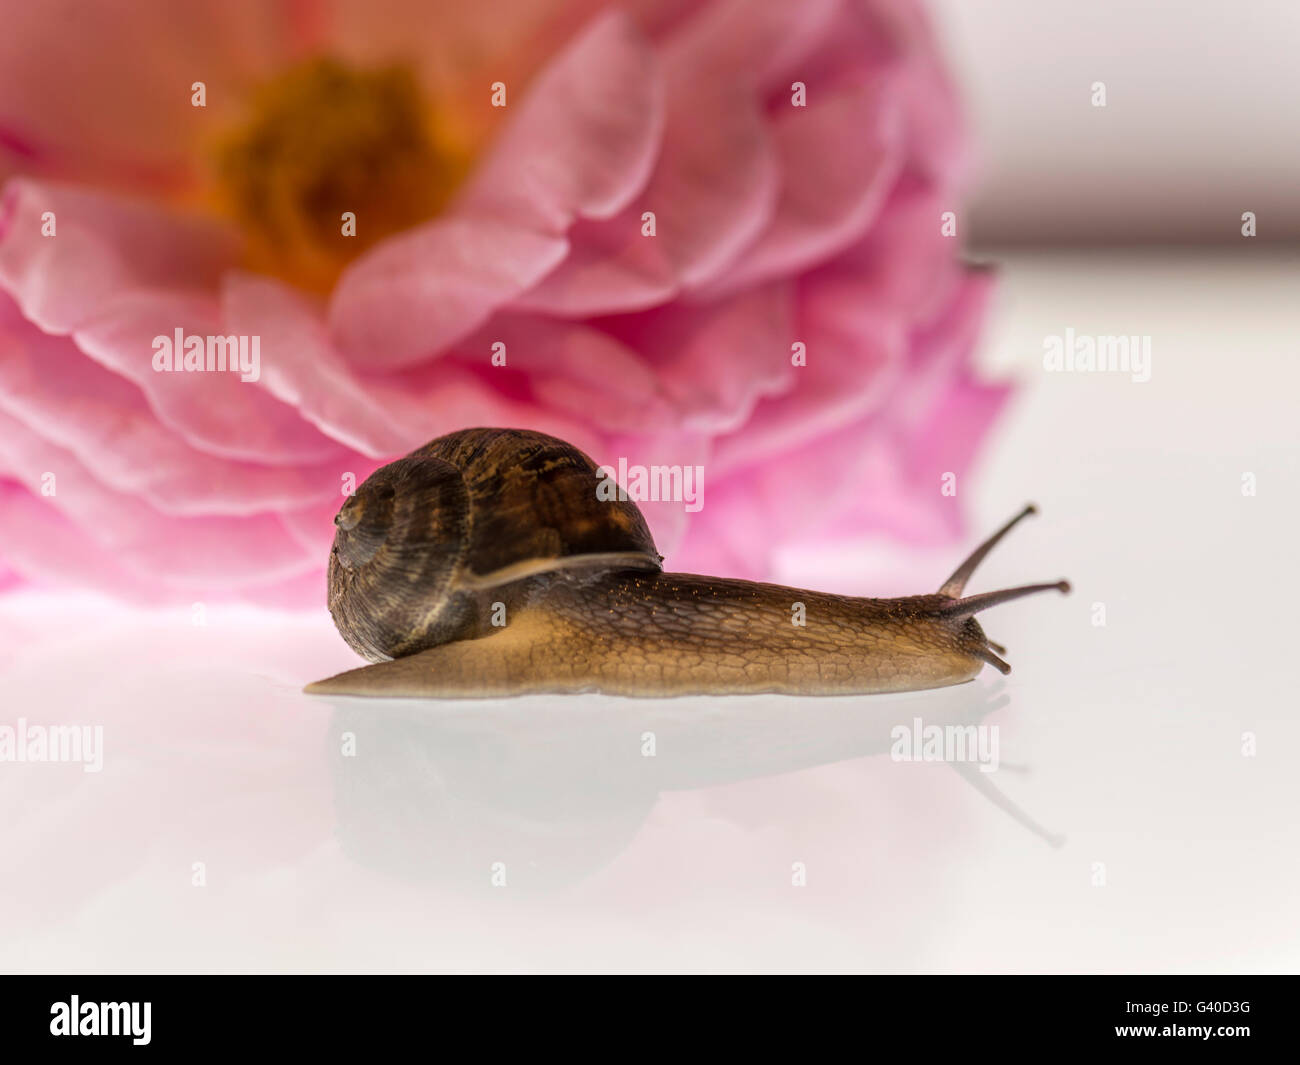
{"x": 775, "y": 226}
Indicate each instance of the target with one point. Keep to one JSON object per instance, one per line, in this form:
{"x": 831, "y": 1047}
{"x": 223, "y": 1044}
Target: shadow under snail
{"x": 485, "y": 564}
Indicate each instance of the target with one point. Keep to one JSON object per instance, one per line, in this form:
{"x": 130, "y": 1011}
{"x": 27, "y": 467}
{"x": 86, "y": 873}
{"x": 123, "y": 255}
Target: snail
{"x": 486, "y": 564}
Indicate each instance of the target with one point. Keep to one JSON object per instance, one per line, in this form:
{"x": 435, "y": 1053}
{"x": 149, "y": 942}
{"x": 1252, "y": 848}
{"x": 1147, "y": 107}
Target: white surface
{"x": 1133, "y": 733}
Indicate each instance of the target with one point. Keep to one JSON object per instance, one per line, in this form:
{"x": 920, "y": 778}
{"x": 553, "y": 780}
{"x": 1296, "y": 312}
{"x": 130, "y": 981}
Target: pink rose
{"x": 701, "y": 234}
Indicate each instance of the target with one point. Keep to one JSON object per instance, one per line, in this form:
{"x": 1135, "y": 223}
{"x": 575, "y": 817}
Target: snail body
{"x": 485, "y": 564}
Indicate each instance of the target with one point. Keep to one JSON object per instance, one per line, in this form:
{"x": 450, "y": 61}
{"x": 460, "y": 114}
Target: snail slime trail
{"x": 433, "y": 548}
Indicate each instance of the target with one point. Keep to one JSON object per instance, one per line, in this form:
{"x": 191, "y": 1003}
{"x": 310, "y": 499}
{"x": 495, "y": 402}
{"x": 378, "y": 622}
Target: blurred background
{"x": 1199, "y": 123}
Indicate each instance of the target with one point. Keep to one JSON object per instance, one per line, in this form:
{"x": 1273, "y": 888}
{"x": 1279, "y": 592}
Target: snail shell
{"x": 429, "y": 543}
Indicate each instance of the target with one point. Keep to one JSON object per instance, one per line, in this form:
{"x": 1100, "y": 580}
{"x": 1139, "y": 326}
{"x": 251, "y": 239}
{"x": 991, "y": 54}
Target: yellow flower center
{"x": 331, "y": 160}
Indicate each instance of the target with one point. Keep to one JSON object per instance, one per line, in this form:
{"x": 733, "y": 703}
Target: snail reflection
{"x": 552, "y": 792}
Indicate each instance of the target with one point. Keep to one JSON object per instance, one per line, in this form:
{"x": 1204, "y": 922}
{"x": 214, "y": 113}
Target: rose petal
{"x": 833, "y": 185}
{"x": 936, "y": 138}
{"x": 716, "y": 361}
{"x": 932, "y": 425}
{"x": 116, "y": 275}
{"x": 712, "y": 192}
{"x": 53, "y": 389}
{"x": 585, "y": 137}
{"x": 215, "y": 411}
{"x": 101, "y": 91}
{"x": 940, "y": 349}
{"x": 864, "y": 41}
{"x": 192, "y": 552}
{"x": 48, "y": 548}
{"x": 9, "y": 578}
{"x": 101, "y": 247}
{"x": 862, "y": 479}
{"x": 757, "y": 41}
{"x": 906, "y": 261}
{"x": 380, "y": 415}
{"x": 577, "y": 370}
{"x": 414, "y": 294}
{"x": 462, "y": 47}
{"x": 854, "y": 353}
{"x": 302, "y": 368}
{"x": 609, "y": 267}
